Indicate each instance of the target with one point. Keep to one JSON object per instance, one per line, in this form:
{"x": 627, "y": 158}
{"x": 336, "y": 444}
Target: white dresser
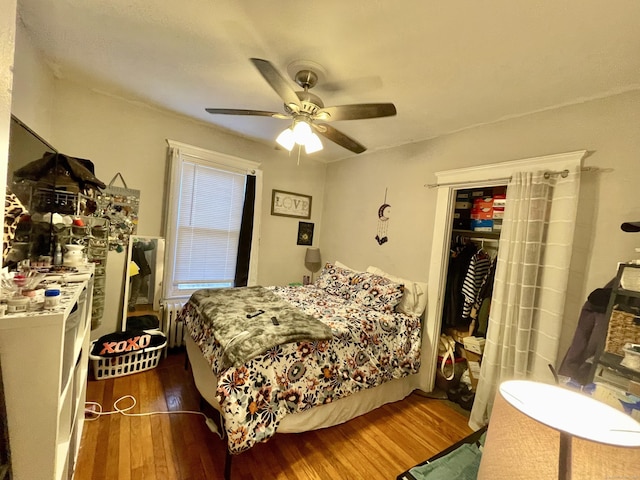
{"x": 45, "y": 362}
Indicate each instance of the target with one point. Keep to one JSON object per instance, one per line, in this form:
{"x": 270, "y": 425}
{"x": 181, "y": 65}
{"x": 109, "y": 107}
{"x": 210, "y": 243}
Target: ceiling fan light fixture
{"x": 286, "y": 139}
{"x": 301, "y": 132}
{"x": 313, "y": 144}
{"x": 306, "y": 108}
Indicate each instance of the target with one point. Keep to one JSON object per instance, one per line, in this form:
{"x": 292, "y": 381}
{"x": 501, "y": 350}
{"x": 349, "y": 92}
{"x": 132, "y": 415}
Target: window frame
{"x": 178, "y": 154}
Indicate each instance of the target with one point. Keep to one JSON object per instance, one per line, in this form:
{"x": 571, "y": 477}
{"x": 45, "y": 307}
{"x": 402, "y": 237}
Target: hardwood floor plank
{"x": 86, "y": 462}
{"x": 378, "y": 445}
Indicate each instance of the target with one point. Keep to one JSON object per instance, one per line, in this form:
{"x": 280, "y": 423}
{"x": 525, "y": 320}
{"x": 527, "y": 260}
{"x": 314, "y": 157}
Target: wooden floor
{"x": 379, "y": 445}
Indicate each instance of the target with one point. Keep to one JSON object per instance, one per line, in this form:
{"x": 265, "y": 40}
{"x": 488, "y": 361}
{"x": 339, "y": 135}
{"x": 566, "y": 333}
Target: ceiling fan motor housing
{"x": 309, "y": 103}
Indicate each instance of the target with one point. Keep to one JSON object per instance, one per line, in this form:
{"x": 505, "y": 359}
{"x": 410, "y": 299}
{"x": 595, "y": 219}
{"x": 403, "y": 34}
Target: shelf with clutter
{"x": 52, "y": 223}
{"x": 615, "y": 372}
{"x": 45, "y": 335}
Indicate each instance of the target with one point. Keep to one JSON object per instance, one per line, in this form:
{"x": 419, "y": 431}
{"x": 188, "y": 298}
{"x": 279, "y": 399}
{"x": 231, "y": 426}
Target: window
{"x": 205, "y": 214}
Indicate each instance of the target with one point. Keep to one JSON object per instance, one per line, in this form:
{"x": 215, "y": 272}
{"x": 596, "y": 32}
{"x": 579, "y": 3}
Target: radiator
{"x": 173, "y": 329}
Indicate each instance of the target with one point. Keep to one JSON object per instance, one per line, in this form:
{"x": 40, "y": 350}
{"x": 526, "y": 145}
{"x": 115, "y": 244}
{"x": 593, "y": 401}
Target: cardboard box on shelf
{"x": 474, "y": 373}
{"x": 457, "y": 333}
{"x": 482, "y": 225}
{"x": 463, "y": 205}
{"x": 499, "y": 200}
{"x": 474, "y": 344}
{"x": 473, "y": 363}
{"x": 498, "y": 213}
{"x": 485, "y": 213}
{"x": 483, "y": 202}
{"x": 462, "y": 219}
{"x": 471, "y": 356}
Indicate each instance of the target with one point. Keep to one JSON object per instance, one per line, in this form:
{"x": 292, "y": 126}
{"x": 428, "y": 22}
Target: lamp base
{"x": 564, "y": 458}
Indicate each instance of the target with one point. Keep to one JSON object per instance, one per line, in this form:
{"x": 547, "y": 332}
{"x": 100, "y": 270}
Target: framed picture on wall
{"x": 305, "y": 233}
{"x": 289, "y": 204}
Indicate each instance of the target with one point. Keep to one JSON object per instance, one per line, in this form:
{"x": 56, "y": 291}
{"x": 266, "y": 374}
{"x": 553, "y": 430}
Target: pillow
{"x": 335, "y": 280}
{"x": 342, "y": 265}
{"x": 414, "y": 300}
{"x": 375, "y": 291}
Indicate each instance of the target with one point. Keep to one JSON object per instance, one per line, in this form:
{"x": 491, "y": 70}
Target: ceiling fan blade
{"x": 359, "y": 111}
{"x": 338, "y": 137}
{"x": 277, "y": 81}
{"x": 234, "y": 111}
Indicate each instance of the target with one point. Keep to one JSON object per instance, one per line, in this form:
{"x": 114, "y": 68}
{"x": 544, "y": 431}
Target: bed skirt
{"x": 321, "y": 416}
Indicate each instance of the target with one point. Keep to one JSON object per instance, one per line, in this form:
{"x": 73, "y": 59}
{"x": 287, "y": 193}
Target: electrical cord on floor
{"x": 92, "y": 414}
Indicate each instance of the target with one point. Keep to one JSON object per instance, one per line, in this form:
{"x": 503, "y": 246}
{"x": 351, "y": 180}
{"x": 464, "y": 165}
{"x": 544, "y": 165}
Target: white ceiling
{"x": 446, "y": 65}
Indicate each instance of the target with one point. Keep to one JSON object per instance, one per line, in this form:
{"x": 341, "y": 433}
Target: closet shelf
{"x": 473, "y": 234}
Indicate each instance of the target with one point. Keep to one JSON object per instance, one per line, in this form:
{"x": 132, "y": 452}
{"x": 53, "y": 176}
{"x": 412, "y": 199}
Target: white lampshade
{"x": 313, "y": 144}
{"x": 529, "y": 422}
{"x": 286, "y": 139}
{"x": 301, "y": 132}
{"x": 312, "y": 256}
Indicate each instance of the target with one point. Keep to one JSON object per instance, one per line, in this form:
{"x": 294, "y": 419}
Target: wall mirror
{"x": 25, "y": 146}
{"x": 143, "y": 280}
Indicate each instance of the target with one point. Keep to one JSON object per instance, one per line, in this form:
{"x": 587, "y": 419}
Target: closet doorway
{"x": 448, "y": 184}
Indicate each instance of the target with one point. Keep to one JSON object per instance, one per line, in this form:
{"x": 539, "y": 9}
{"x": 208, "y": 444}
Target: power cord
{"x": 92, "y": 414}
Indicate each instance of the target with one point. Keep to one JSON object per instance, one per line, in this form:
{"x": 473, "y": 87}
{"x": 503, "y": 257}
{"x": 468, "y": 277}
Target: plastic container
{"x": 630, "y": 279}
{"x": 18, "y": 304}
{"x": 51, "y": 298}
{"x": 57, "y": 257}
{"x": 631, "y": 356}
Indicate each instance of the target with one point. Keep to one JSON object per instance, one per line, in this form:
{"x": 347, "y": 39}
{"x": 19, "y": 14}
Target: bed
{"x": 369, "y": 357}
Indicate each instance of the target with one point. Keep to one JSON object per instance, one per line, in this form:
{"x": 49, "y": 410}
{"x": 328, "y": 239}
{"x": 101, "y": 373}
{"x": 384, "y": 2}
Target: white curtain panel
{"x": 530, "y": 285}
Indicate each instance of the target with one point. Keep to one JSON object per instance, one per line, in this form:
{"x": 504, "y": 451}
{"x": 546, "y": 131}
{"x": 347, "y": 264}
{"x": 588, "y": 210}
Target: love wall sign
{"x": 289, "y": 204}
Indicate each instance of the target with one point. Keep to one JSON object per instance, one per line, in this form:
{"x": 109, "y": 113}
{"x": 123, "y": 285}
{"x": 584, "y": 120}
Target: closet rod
{"x": 480, "y": 239}
{"x": 547, "y": 174}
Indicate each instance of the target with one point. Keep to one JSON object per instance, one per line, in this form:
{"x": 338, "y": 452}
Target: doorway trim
{"x": 449, "y": 181}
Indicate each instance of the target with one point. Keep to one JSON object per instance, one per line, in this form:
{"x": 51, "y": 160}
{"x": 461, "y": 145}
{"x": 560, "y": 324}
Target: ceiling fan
{"x": 307, "y": 111}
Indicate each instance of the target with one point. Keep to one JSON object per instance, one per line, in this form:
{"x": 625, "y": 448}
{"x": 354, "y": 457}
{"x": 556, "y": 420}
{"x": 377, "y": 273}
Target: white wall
{"x": 127, "y": 137}
{"x": 33, "y": 90}
{"x": 608, "y": 128}
{"x": 7, "y": 42}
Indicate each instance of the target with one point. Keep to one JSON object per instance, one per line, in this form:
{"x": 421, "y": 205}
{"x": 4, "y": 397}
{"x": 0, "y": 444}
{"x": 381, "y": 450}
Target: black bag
{"x": 142, "y": 322}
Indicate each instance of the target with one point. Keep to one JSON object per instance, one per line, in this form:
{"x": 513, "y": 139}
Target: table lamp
{"x": 312, "y": 260}
{"x": 539, "y": 431}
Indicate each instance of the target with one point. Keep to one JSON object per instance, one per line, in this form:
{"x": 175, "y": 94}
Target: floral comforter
{"x": 368, "y": 348}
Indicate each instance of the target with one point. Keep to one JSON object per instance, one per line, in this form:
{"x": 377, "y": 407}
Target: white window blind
{"x": 205, "y": 205}
{"x": 209, "y": 217}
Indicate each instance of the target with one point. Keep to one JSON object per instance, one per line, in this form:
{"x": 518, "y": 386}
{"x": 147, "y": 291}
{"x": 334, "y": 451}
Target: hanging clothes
{"x": 462, "y": 250}
{"x": 476, "y": 275}
{"x": 480, "y": 312}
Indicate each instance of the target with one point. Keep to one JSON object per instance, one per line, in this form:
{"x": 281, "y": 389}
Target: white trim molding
{"x": 448, "y": 182}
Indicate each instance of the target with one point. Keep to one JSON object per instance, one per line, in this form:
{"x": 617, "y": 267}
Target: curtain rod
{"x": 547, "y": 174}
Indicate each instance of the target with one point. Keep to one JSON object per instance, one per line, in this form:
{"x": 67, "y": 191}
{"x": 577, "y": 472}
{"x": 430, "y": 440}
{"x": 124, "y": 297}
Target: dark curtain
{"x": 246, "y": 233}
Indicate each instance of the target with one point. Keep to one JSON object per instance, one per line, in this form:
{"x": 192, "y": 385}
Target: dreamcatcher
{"x": 383, "y": 221}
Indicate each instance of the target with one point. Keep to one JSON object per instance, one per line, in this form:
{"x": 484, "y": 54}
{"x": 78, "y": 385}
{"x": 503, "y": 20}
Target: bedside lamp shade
{"x": 540, "y": 431}
{"x": 312, "y": 256}
{"x": 312, "y": 260}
